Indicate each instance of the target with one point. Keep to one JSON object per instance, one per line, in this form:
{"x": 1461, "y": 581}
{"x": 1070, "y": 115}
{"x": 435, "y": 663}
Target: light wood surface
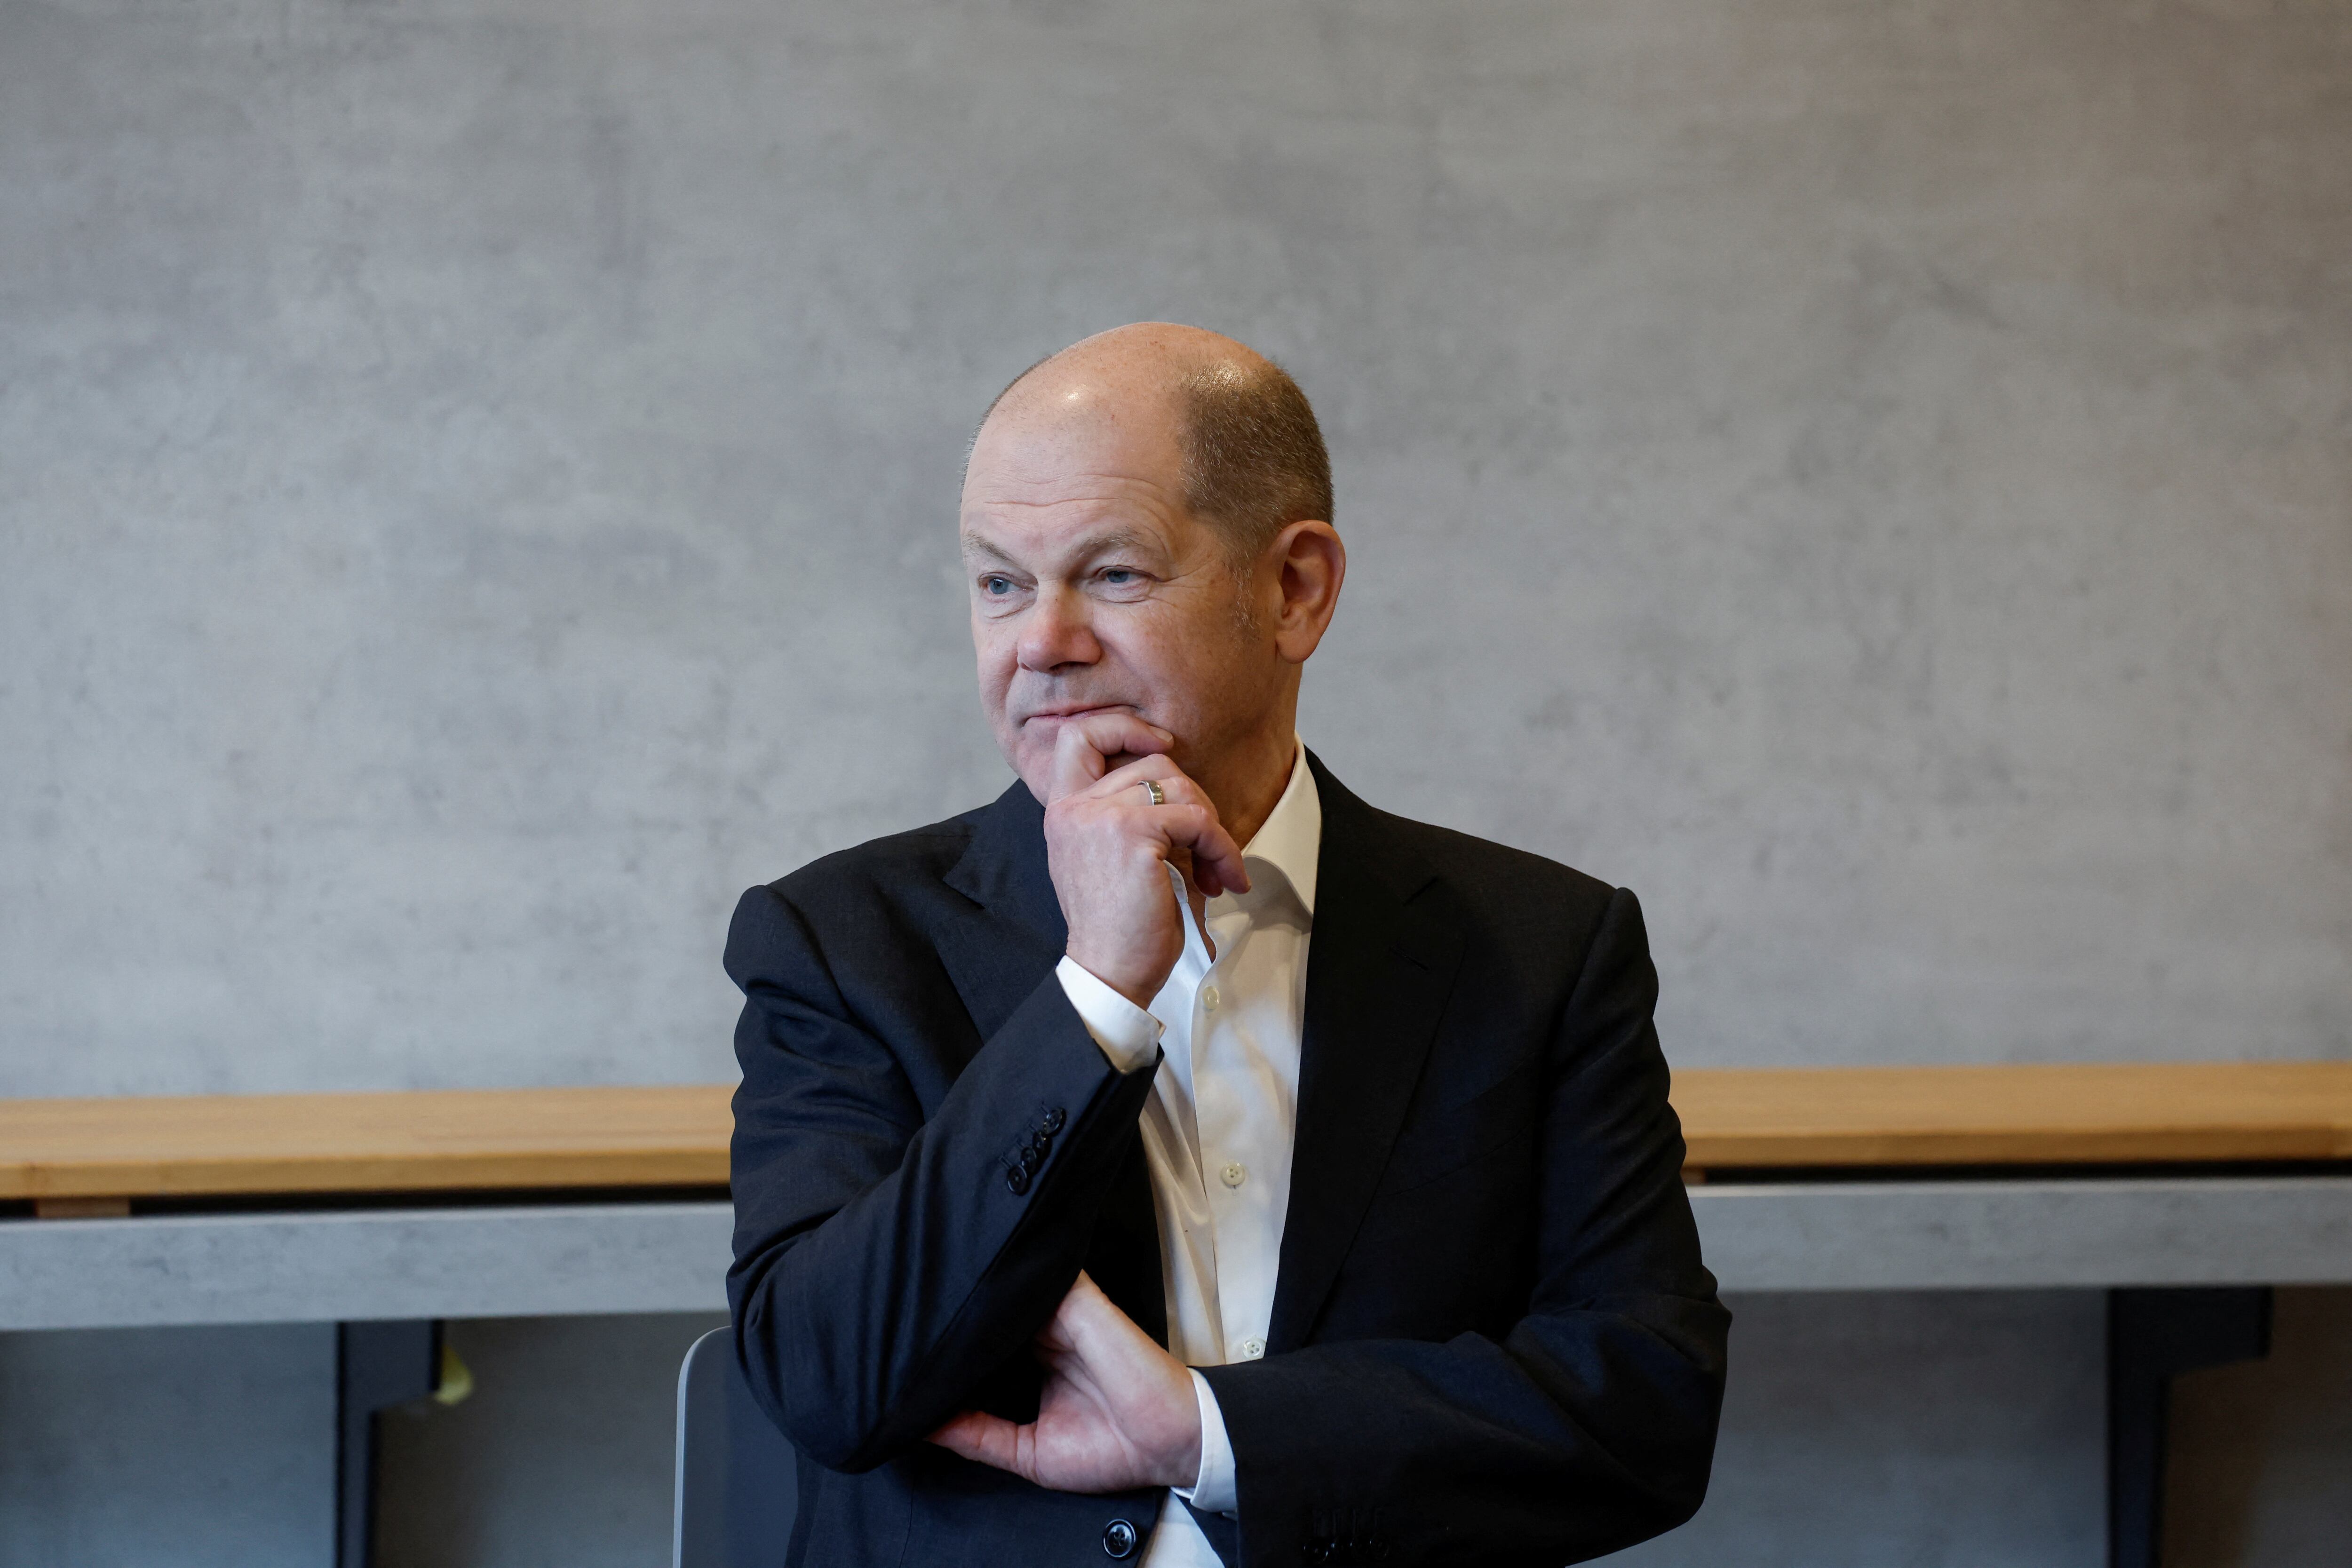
{"x": 483, "y": 1140}
{"x": 2185, "y": 1113}
{"x": 501, "y": 1139}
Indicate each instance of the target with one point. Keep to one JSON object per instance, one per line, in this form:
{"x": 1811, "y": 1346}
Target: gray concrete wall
{"x": 474, "y": 477}
{"x": 210, "y": 1447}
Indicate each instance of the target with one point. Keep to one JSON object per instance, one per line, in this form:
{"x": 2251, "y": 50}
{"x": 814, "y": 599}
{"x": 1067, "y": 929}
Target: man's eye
{"x": 1118, "y": 576}
{"x": 996, "y": 586}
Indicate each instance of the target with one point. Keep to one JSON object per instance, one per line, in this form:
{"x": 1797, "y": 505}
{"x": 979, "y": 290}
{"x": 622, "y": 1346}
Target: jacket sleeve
{"x": 887, "y": 1263}
{"x": 1589, "y": 1426}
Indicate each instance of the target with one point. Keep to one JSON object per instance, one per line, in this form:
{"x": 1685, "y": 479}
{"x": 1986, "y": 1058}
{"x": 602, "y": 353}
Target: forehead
{"x": 1054, "y": 435}
{"x": 1057, "y": 474}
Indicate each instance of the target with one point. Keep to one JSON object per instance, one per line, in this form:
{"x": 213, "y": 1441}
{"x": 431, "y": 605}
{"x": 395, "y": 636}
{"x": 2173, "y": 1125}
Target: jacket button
{"x": 1055, "y": 1120}
{"x": 1016, "y": 1181}
{"x": 1119, "y": 1539}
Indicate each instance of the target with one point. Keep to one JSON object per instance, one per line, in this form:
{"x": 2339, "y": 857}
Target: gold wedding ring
{"x": 1158, "y": 796}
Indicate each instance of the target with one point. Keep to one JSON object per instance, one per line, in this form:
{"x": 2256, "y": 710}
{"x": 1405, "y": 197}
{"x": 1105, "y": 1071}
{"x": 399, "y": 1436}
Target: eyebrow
{"x": 1094, "y": 544}
{"x": 974, "y": 544}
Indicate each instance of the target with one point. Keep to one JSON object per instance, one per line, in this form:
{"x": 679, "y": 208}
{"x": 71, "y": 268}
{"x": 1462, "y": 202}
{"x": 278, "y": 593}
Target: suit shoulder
{"x": 1533, "y": 922}
{"x": 884, "y": 867}
{"x": 859, "y": 908}
{"x": 1482, "y": 869}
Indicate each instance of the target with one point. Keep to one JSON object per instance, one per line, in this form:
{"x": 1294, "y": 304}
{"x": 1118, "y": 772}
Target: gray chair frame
{"x": 736, "y": 1482}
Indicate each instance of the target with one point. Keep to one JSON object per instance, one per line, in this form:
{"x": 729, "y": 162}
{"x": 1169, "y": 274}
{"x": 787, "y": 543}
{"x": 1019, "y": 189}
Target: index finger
{"x": 1083, "y": 749}
{"x": 1217, "y": 865}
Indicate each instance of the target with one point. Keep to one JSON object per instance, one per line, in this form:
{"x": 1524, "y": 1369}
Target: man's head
{"x": 1147, "y": 529}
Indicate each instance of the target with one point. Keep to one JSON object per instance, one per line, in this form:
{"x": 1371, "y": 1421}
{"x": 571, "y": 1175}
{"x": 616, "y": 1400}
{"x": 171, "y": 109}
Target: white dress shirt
{"x": 1218, "y": 1128}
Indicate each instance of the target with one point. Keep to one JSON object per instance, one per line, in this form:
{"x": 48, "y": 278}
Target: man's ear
{"x": 1308, "y": 562}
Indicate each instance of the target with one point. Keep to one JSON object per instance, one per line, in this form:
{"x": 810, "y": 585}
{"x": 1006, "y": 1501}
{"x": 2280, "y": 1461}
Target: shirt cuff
{"x": 1127, "y": 1034}
{"x": 1212, "y": 1490}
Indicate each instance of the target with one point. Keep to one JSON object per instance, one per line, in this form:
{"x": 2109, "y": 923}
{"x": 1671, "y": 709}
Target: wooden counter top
{"x": 2183, "y": 1113}
{"x": 438, "y": 1141}
{"x": 57, "y": 1151}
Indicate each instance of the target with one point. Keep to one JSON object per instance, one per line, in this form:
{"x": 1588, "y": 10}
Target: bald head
{"x": 1146, "y": 535}
{"x": 1250, "y": 454}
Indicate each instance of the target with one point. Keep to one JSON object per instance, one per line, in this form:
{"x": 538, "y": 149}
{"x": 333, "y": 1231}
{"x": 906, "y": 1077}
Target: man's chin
{"x": 1032, "y": 756}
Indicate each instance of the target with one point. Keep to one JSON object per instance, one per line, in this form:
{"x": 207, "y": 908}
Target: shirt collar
{"x": 1291, "y": 840}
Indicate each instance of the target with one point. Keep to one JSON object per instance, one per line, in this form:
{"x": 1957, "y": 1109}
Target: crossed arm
{"x": 886, "y": 1269}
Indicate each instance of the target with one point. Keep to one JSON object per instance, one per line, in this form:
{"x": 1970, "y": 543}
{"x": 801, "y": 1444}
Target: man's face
{"x": 1094, "y": 588}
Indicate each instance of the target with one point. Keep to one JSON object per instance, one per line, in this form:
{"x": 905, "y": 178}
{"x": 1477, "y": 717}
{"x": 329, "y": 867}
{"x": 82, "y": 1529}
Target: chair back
{"x": 737, "y": 1481}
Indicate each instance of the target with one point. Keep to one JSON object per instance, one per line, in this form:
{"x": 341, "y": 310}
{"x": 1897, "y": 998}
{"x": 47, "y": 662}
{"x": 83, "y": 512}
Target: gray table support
{"x": 558, "y": 1259}
{"x": 2187, "y": 1261}
{"x": 348, "y": 1266}
{"x": 377, "y": 1365}
{"x": 2086, "y": 1232}
{"x": 2153, "y": 1336}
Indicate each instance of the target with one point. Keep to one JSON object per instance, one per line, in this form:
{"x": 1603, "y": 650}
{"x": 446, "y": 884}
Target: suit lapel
{"x": 1379, "y": 968}
{"x": 999, "y": 951}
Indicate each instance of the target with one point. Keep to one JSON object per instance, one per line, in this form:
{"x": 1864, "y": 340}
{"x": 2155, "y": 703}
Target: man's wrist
{"x": 1126, "y": 1035}
{"x": 1213, "y": 1489}
{"x": 1102, "y": 969}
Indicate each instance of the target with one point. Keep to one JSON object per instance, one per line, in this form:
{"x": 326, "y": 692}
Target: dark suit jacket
{"x": 1493, "y": 1341}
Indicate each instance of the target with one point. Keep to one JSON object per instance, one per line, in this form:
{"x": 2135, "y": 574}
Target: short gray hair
{"x": 1254, "y": 456}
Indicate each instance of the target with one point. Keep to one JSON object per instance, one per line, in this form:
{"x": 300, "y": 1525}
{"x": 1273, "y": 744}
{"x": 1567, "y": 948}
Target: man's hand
{"x": 1108, "y": 848}
{"x": 1117, "y": 1411}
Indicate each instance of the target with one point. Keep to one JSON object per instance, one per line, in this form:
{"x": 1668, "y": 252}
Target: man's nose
{"x": 1057, "y": 631}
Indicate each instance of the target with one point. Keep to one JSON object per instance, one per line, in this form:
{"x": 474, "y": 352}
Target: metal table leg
{"x": 2154, "y": 1335}
{"x": 376, "y": 1364}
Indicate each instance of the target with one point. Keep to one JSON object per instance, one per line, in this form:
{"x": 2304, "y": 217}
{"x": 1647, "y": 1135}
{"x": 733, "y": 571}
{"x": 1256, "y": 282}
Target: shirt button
{"x": 1233, "y": 1175}
{"x": 1209, "y": 999}
{"x": 1253, "y": 1349}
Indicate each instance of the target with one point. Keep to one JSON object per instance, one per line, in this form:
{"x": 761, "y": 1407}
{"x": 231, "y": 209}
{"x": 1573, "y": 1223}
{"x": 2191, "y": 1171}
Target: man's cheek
{"x": 996, "y": 670}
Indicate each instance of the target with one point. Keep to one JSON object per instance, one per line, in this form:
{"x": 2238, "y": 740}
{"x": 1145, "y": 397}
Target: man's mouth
{"x": 1077, "y": 711}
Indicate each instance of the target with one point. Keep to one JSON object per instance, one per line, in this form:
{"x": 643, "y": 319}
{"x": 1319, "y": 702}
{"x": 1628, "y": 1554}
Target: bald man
{"x": 1177, "y": 1159}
